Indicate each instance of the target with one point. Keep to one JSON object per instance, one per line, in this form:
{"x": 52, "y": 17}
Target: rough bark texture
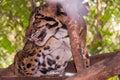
{"x": 96, "y": 58}
{"x": 102, "y": 70}
{"x": 73, "y": 31}
{"x": 103, "y": 66}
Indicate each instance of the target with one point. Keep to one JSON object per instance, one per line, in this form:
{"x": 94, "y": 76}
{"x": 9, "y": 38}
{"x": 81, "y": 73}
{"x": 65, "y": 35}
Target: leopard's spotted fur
{"x": 46, "y": 60}
{"x": 47, "y": 49}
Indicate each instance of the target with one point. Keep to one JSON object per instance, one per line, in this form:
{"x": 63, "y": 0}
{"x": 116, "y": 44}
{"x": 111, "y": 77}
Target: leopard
{"x": 47, "y": 49}
{"x": 40, "y": 32}
{"x": 46, "y": 60}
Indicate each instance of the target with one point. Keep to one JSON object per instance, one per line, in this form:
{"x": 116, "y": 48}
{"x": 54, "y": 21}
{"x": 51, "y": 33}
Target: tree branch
{"x": 73, "y": 31}
{"x": 93, "y": 60}
{"x": 102, "y": 67}
{"x": 102, "y": 70}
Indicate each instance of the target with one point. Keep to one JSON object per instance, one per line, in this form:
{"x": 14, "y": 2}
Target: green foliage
{"x": 103, "y": 22}
{"x": 14, "y": 18}
{"x": 113, "y": 78}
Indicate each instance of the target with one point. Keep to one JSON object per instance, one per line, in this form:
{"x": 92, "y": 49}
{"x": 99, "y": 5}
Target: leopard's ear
{"x": 52, "y": 7}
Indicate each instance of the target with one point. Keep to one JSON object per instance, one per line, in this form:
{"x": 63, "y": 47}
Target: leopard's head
{"x": 43, "y": 25}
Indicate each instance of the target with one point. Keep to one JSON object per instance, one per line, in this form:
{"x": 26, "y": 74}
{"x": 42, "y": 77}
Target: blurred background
{"x": 103, "y": 22}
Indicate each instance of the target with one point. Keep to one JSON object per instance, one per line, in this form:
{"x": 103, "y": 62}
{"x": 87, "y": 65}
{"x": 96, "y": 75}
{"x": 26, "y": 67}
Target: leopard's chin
{"x": 39, "y": 43}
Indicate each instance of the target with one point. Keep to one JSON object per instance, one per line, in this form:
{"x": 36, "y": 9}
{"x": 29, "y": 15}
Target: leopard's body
{"x": 47, "y": 49}
{"x": 46, "y": 60}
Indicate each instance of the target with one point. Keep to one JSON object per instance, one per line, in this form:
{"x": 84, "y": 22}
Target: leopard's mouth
{"x": 42, "y": 35}
{"x": 38, "y": 36}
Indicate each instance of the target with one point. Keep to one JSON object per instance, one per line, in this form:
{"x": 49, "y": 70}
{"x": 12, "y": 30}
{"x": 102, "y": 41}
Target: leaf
{"x": 6, "y": 44}
{"x": 105, "y": 17}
